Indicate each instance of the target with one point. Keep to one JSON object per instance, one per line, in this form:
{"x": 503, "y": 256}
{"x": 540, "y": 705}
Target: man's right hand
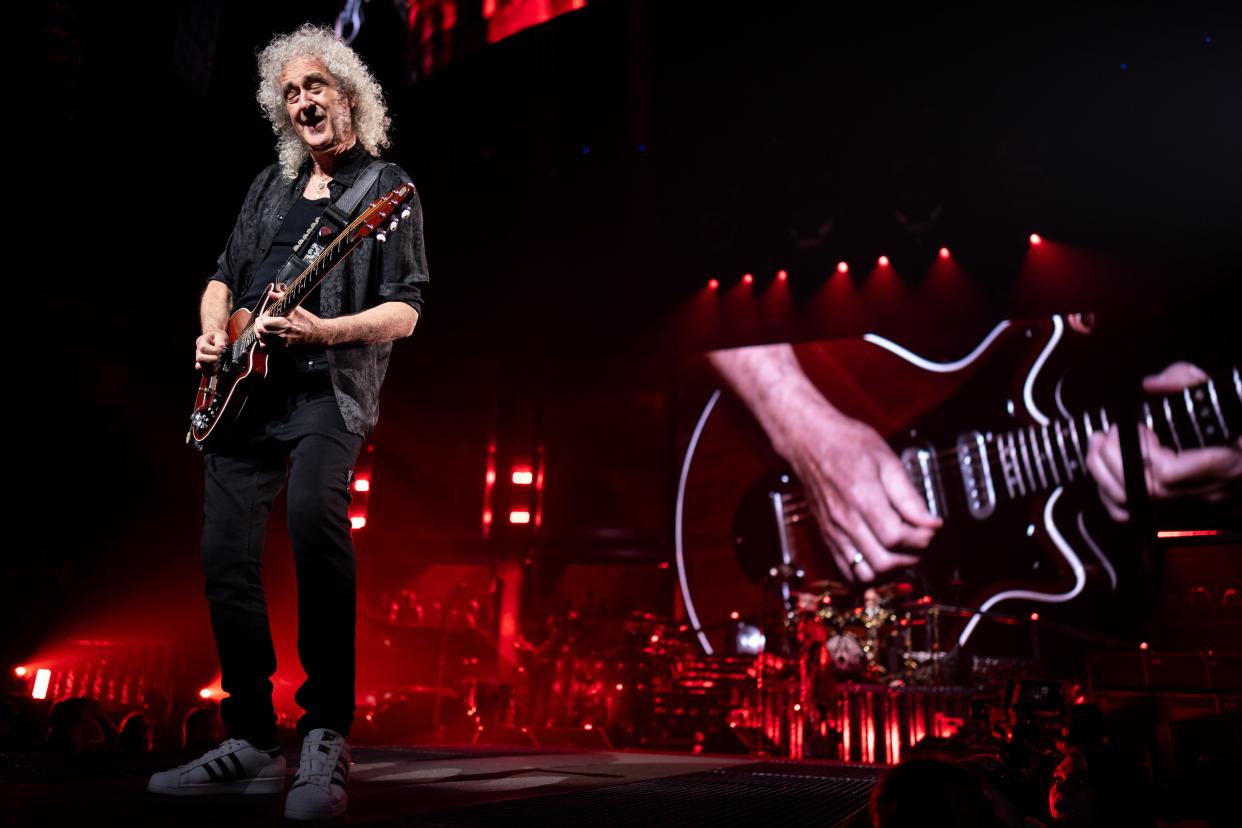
{"x": 207, "y": 350}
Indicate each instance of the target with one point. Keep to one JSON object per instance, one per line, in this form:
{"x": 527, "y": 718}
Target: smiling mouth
{"x": 312, "y": 119}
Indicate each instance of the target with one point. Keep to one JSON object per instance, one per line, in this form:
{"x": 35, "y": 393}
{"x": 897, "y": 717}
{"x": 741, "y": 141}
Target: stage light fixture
{"x": 748, "y": 278}
{"x": 357, "y": 522}
{"x": 843, "y": 267}
{"x": 522, "y": 476}
{"x": 781, "y": 275}
{"x": 882, "y": 261}
{"x": 519, "y": 516}
{"x": 205, "y": 693}
{"x": 43, "y": 677}
{"x": 713, "y": 283}
{"x": 361, "y": 484}
{"x": 1036, "y": 239}
{"x": 20, "y": 672}
{"x": 944, "y": 252}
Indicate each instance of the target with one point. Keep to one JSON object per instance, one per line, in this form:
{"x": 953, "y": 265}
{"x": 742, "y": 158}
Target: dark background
{"x": 581, "y": 182}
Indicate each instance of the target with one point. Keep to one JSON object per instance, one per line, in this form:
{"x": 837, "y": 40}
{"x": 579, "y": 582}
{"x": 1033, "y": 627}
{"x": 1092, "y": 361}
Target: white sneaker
{"x": 235, "y": 767}
{"x": 318, "y": 790}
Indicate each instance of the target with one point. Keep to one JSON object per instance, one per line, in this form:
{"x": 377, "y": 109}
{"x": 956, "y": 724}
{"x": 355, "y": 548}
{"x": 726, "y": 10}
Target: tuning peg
{"x": 380, "y": 237}
{"x": 393, "y": 225}
{"x": 405, "y": 213}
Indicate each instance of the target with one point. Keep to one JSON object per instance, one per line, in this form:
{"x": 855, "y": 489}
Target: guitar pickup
{"x": 924, "y": 471}
{"x": 972, "y": 458}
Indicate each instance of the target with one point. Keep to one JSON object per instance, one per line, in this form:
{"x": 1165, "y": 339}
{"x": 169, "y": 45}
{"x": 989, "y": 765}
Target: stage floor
{"x": 458, "y": 786}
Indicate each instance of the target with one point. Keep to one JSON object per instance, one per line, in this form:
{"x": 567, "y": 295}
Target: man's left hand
{"x": 300, "y": 327}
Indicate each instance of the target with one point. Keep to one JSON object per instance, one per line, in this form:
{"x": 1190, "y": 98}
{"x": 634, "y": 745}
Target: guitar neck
{"x": 298, "y": 289}
{"x": 1038, "y": 458}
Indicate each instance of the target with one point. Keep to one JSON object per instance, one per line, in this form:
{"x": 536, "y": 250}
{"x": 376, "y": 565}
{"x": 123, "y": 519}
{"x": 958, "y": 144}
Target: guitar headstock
{"x": 377, "y": 216}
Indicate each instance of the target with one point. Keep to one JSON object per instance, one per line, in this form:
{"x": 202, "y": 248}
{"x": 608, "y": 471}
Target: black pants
{"x": 304, "y": 444}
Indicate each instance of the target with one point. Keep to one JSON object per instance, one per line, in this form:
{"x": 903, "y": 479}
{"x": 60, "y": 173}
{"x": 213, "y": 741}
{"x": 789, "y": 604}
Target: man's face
{"x": 316, "y": 106}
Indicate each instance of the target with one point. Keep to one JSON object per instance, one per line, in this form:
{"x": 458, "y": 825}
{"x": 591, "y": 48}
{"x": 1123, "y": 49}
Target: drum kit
{"x": 889, "y": 637}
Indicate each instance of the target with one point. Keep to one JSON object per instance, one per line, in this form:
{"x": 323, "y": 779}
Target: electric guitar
{"x": 988, "y": 440}
{"x": 222, "y": 394}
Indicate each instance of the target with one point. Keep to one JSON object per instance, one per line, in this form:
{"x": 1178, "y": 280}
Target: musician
{"x": 304, "y": 426}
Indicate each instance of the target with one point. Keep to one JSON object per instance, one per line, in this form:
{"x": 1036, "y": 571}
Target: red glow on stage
{"x": 1034, "y": 616}
{"x": 663, "y": 564}
{"x": 1143, "y": 645}
{"x": 43, "y": 677}
{"x": 944, "y": 252}
{"x": 620, "y": 686}
{"x": 522, "y": 476}
{"x": 357, "y": 522}
{"x": 490, "y": 477}
{"x": 797, "y": 707}
{"x": 361, "y": 484}
{"x": 205, "y": 693}
{"x": 655, "y": 638}
{"x": 735, "y": 615}
{"x": 20, "y": 672}
{"x": 1189, "y": 533}
{"x": 588, "y": 727}
{"x": 519, "y": 516}
{"x": 487, "y": 517}
{"x": 781, "y": 276}
{"x": 882, "y": 261}
{"x": 748, "y": 278}
{"x": 713, "y": 283}
{"x": 1036, "y": 239}
{"x": 843, "y": 267}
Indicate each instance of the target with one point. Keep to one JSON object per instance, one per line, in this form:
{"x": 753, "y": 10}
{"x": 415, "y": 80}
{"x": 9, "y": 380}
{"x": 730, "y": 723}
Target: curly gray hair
{"x": 368, "y": 110}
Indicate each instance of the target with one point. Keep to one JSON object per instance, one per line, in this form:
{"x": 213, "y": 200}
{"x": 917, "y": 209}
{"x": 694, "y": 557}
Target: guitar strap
{"x": 1134, "y": 468}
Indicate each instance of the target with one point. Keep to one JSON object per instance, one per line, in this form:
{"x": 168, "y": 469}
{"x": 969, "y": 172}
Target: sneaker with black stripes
{"x": 235, "y": 767}
{"x": 318, "y": 790}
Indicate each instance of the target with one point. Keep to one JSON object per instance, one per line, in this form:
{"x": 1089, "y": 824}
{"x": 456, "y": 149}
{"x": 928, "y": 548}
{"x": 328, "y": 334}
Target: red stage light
{"x": 882, "y": 261}
{"x": 1143, "y": 645}
{"x": 655, "y": 638}
{"x": 523, "y": 477}
{"x": 43, "y": 677}
{"x": 491, "y": 477}
{"x": 713, "y": 283}
{"x": 20, "y": 672}
{"x": 1034, "y": 616}
{"x": 519, "y": 516}
{"x": 1189, "y": 533}
{"x": 588, "y": 727}
{"x": 797, "y": 708}
{"x": 357, "y": 522}
{"x": 748, "y": 278}
{"x": 487, "y": 516}
{"x": 735, "y": 615}
{"x": 361, "y": 484}
{"x": 620, "y": 686}
{"x": 782, "y": 275}
{"x": 663, "y": 564}
{"x": 1035, "y": 239}
{"x": 843, "y": 267}
{"x": 205, "y": 693}
{"x": 944, "y": 252}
